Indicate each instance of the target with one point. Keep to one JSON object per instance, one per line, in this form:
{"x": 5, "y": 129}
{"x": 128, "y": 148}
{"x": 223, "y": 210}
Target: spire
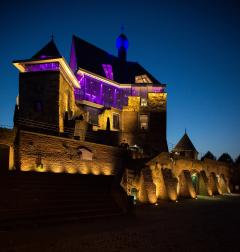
{"x": 122, "y": 45}
{"x": 48, "y": 51}
{"x": 122, "y": 28}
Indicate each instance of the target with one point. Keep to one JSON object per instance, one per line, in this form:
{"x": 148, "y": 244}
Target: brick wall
{"x": 44, "y": 153}
{"x": 7, "y": 136}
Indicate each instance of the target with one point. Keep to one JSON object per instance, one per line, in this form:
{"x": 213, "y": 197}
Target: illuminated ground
{"x": 205, "y": 224}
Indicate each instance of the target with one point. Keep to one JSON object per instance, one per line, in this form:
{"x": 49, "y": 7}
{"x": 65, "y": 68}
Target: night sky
{"x": 192, "y": 46}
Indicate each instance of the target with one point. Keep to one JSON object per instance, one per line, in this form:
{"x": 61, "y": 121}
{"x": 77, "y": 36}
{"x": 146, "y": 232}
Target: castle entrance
{"x": 195, "y": 181}
{"x": 134, "y": 193}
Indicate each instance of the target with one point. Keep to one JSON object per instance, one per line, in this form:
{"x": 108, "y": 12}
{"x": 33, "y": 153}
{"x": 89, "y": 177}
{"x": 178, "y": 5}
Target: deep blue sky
{"x": 192, "y": 46}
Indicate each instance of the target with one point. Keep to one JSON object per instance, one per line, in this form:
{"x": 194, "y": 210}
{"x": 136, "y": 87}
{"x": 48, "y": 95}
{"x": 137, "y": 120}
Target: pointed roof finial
{"x": 52, "y": 37}
{"x": 185, "y": 131}
{"x": 122, "y": 28}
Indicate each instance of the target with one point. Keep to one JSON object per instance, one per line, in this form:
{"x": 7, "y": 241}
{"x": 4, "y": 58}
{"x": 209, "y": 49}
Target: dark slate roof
{"x": 48, "y": 51}
{"x": 185, "y": 144}
{"x": 91, "y": 58}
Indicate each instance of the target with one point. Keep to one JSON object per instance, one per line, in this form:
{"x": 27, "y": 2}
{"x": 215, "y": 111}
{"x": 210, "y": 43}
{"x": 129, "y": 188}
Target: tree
{"x": 225, "y": 157}
{"x": 235, "y": 180}
{"x": 208, "y": 155}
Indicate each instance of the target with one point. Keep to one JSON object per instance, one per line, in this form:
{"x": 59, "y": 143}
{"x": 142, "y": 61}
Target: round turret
{"x": 122, "y": 46}
{"x": 122, "y": 41}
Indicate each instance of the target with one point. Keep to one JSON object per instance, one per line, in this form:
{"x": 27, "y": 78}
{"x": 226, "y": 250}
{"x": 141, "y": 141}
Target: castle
{"x": 101, "y": 114}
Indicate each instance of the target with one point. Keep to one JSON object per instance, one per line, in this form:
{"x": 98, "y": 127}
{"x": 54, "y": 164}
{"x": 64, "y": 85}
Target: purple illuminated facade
{"x": 102, "y": 93}
{"x": 108, "y": 71}
{"x": 89, "y": 98}
{"x": 51, "y": 66}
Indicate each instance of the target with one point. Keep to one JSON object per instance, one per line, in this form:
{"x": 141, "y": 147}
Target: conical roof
{"x": 48, "y": 51}
{"x": 185, "y": 144}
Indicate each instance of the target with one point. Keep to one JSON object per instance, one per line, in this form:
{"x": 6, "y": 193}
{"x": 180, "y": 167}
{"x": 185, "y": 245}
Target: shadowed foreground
{"x": 205, "y": 224}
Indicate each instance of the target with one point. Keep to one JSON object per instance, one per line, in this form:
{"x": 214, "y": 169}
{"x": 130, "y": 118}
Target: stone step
{"x": 59, "y": 204}
{"x": 53, "y": 219}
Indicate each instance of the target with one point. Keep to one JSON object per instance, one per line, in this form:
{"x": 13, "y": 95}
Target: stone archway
{"x": 185, "y": 186}
{"x": 203, "y": 184}
{"x": 223, "y": 184}
{"x": 134, "y": 193}
{"x": 195, "y": 180}
{"x": 213, "y": 183}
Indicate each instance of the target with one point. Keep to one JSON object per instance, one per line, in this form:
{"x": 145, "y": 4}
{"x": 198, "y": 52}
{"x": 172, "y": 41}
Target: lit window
{"x": 108, "y": 71}
{"x": 143, "y": 102}
{"x": 142, "y": 79}
{"x": 116, "y": 121}
{"x": 92, "y": 115}
{"x": 143, "y": 121}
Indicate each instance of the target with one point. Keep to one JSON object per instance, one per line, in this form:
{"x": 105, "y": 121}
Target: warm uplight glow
{"x": 71, "y": 170}
{"x": 57, "y": 169}
{"x": 107, "y": 170}
{"x": 27, "y": 168}
{"x": 95, "y": 170}
{"x": 83, "y": 169}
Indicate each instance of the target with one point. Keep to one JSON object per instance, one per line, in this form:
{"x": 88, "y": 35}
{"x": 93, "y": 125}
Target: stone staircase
{"x": 35, "y": 199}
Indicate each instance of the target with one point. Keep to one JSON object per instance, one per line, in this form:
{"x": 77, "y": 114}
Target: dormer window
{"x": 142, "y": 79}
{"x": 108, "y": 71}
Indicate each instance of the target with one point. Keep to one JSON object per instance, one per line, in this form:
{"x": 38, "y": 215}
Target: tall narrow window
{"x": 143, "y": 102}
{"x": 116, "y": 124}
{"x": 92, "y": 115}
{"x": 143, "y": 121}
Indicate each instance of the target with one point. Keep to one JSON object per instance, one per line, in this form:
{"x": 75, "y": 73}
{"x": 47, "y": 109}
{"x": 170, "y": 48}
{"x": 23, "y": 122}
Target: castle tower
{"x": 46, "y": 91}
{"x": 185, "y": 148}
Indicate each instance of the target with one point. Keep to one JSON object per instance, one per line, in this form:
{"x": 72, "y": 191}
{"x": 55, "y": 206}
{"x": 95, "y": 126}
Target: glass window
{"x": 143, "y": 102}
{"x": 143, "y": 120}
{"x": 92, "y": 115}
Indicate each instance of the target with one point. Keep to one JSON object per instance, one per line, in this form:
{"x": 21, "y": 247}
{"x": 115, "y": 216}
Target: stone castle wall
{"x": 7, "y": 137}
{"x": 153, "y": 138}
{"x": 166, "y": 177}
{"x": 44, "y": 153}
